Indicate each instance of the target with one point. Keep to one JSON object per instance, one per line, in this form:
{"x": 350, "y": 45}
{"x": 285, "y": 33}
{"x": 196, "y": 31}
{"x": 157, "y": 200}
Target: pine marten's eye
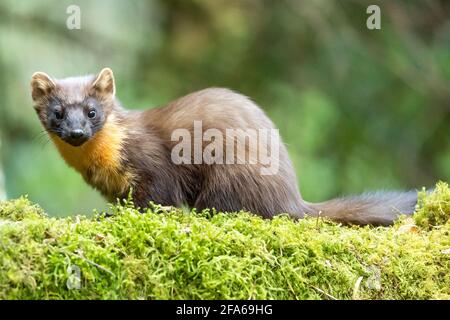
{"x": 92, "y": 114}
{"x": 58, "y": 114}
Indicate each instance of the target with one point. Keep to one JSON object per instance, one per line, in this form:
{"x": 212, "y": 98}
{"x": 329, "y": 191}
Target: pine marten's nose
{"x": 76, "y": 137}
{"x": 76, "y": 134}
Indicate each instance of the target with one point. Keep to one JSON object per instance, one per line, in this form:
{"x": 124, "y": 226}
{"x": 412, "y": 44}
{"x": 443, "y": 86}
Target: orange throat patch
{"x": 99, "y": 160}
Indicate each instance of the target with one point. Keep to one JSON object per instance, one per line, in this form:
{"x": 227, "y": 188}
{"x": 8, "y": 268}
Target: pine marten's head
{"x": 73, "y": 109}
{"x": 79, "y": 115}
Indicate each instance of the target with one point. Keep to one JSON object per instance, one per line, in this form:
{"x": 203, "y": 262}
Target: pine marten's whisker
{"x": 39, "y": 135}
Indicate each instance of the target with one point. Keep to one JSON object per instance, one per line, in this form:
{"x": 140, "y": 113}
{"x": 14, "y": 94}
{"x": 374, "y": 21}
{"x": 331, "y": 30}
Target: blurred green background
{"x": 359, "y": 109}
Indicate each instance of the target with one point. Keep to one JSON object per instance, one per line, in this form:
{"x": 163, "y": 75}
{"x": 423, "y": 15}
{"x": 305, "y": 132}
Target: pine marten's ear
{"x": 41, "y": 85}
{"x": 104, "y": 83}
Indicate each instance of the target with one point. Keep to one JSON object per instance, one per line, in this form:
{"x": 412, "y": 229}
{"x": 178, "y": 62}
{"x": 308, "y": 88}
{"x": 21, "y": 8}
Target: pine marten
{"x": 118, "y": 150}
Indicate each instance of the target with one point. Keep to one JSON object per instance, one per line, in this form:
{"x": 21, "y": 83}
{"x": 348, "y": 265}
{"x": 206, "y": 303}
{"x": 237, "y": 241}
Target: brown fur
{"x": 133, "y": 150}
{"x": 100, "y": 159}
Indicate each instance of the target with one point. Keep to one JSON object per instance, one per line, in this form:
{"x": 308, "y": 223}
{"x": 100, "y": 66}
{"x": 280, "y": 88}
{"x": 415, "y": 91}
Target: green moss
{"x": 20, "y": 209}
{"x": 174, "y": 254}
{"x": 433, "y": 209}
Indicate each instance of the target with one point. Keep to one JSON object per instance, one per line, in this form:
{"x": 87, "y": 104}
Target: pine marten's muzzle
{"x": 75, "y": 129}
{"x": 77, "y": 137}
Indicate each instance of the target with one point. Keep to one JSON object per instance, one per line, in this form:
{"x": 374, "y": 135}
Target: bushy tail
{"x": 377, "y": 208}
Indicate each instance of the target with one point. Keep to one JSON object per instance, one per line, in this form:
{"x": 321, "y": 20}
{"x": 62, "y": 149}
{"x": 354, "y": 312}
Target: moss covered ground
{"x": 169, "y": 253}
